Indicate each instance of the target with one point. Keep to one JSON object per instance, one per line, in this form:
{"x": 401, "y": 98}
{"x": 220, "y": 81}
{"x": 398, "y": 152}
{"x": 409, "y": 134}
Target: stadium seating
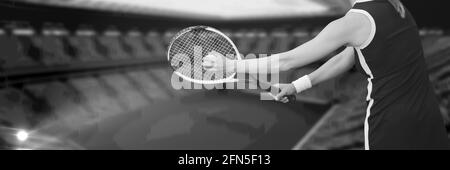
{"x": 15, "y": 51}
{"x": 84, "y": 48}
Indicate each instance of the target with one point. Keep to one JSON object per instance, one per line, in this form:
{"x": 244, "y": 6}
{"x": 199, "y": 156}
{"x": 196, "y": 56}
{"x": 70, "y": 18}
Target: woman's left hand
{"x": 286, "y": 90}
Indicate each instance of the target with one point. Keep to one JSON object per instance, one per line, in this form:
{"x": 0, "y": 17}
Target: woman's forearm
{"x": 266, "y": 65}
{"x": 297, "y": 57}
{"x": 333, "y": 67}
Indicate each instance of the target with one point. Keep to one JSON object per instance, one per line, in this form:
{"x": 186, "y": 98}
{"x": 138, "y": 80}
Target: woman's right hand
{"x": 216, "y": 62}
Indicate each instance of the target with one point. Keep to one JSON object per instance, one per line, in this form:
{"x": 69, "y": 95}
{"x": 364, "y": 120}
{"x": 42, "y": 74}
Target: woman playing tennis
{"x": 382, "y": 38}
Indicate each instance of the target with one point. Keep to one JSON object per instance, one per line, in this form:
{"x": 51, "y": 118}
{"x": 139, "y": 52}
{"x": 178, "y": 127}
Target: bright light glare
{"x": 22, "y": 135}
{"x": 23, "y": 149}
{"x": 226, "y": 9}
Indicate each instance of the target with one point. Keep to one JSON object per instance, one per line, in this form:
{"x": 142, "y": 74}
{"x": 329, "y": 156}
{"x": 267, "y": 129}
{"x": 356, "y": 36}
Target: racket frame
{"x": 229, "y": 79}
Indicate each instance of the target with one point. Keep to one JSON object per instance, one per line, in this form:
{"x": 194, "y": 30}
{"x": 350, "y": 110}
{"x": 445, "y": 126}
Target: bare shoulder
{"x": 357, "y": 18}
{"x": 352, "y": 29}
{"x": 361, "y": 25}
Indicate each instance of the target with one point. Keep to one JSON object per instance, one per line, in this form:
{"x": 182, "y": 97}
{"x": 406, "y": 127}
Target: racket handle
{"x": 291, "y": 98}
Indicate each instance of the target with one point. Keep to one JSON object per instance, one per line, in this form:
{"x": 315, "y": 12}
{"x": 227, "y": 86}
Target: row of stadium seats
{"x": 438, "y": 60}
{"x": 23, "y": 48}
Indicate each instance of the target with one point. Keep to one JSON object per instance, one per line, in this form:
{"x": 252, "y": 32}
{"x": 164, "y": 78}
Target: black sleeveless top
{"x": 402, "y": 110}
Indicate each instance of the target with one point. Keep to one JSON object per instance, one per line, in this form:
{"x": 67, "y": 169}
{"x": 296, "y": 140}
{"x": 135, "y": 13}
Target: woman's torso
{"x": 399, "y": 91}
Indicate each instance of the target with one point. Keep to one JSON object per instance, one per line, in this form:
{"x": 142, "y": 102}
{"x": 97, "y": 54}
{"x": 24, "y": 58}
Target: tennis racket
{"x": 190, "y": 45}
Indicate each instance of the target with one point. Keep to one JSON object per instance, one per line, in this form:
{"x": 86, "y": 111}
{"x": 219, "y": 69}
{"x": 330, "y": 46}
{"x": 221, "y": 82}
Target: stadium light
{"x": 22, "y": 135}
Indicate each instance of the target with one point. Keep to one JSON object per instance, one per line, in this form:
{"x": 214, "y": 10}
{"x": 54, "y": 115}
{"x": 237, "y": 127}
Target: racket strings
{"x": 187, "y": 52}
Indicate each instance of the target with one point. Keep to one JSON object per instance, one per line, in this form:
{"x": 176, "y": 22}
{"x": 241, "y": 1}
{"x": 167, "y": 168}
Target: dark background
{"x": 66, "y": 82}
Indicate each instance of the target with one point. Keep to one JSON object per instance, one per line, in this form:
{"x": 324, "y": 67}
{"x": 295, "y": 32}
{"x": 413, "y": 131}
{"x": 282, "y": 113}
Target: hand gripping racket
{"x": 190, "y": 45}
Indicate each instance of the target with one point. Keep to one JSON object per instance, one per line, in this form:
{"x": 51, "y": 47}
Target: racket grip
{"x": 291, "y": 98}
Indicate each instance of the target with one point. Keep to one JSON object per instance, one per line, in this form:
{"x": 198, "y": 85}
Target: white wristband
{"x": 302, "y": 83}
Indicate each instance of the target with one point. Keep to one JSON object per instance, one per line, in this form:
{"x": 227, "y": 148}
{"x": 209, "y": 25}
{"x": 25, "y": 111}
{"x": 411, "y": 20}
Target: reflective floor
{"x": 140, "y": 110}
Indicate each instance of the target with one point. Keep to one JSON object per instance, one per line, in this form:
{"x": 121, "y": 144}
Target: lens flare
{"x": 22, "y": 135}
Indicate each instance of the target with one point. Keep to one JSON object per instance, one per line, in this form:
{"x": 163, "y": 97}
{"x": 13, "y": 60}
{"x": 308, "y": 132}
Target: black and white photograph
{"x": 224, "y": 75}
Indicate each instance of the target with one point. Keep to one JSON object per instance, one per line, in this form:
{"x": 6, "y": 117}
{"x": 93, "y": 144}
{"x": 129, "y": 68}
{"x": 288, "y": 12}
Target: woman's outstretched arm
{"x": 350, "y": 30}
{"x": 335, "y": 66}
